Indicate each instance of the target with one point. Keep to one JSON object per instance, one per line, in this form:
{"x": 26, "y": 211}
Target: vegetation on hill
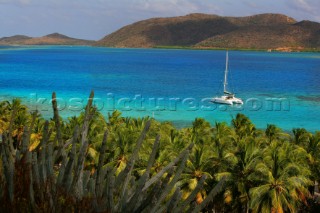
{"x": 264, "y": 31}
{"x": 51, "y": 39}
{"x": 92, "y": 164}
{"x": 200, "y": 31}
{"x": 14, "y": 39}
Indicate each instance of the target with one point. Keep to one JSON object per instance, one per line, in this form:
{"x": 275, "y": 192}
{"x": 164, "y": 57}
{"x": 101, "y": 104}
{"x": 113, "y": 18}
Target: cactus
{"x": 67, "y": 176}
{"x": 100, "y": 173}
{"x": 8, "y": 167}
{"x": 170, "y": 186}
{"x": 126, "y": 173}
{"x": 56, "y": 119}
{"x": 53, "y": 178}
{"x": 166, "y": 168}
{"x": 132, "y": 203}
{"x": 173, "y": 201}
{"x": 10, "y": 141}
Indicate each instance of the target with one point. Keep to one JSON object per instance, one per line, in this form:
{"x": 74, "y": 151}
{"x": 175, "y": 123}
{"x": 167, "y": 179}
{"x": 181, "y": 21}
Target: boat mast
{"x": 226, "y": 73}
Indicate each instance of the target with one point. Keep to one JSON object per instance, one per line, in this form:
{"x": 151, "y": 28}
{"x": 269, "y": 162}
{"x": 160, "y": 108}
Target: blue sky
{"x": 93, "y": 19}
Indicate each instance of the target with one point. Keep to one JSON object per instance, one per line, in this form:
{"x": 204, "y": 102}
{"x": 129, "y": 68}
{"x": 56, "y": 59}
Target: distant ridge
{"x": 14, "y": 39}
{"x": 200, "y": 31}
{"x": 263, "y": 31}
{"x": 51, "y": 39}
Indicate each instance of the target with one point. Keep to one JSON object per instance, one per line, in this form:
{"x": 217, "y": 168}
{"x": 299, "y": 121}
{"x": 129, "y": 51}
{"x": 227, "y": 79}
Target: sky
{"x": 94, "y": 19}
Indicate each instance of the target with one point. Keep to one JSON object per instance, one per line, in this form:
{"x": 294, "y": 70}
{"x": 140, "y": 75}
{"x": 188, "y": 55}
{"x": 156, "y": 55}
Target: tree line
{"x": 97, "y": 163}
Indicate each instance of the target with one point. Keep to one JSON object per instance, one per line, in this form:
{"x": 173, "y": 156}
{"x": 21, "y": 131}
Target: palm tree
{"x": 4, "y": 116}
{"x": 301, "y": 137}
{"x": 122, "y": 141}
{"x": 272, "y": 133}
{"x": 115, "y": 119}
{"x": 221, "y": 145}
{"x": 222, "y": 139}
{"x": 312, "y": 149}
{"x": 172, "y": 142}
{"x": 97, "y": 127}
{"x": 239, "y": 165}
{"x": 282, "y": 179}
{"x": 36, "y": 134}
{"x": 21, "y": 118}
{"x": 243, "y": 126}
{"x": 201, "y": 130}
{"x": 197, "y": 165}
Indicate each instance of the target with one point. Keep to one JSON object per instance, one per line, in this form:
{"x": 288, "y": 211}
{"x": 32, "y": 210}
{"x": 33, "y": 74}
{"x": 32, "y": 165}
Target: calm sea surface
{"x": 174, "y": 85}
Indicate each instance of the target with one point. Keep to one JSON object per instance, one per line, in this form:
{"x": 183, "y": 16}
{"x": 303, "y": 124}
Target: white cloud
{"x": 303, "y": 4}
{"x": 169, "y": 6}
{"x": 309, "y": 8}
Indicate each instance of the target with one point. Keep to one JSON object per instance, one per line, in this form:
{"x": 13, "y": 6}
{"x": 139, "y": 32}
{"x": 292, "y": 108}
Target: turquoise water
{"x": 174, "y": 85}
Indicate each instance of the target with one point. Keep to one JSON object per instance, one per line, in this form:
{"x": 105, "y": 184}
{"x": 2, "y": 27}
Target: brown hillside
{"x": 51, "y": 39}
{"x": 14, "y": 39}
{"x": 264, "y": 31}
{"x": 184, "y": 30}
{"x": 261, "y": 37}
{"x": 295, "y": 37}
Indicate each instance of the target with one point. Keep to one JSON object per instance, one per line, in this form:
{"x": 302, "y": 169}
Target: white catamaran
{"x": 227, "y": 97}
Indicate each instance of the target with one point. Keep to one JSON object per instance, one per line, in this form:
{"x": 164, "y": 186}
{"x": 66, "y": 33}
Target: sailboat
{"x": 227, "y": 97}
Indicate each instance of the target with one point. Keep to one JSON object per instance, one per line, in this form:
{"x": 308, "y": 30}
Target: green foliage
{"x": 74, "y": 169}
{"x": 92, "y": 164}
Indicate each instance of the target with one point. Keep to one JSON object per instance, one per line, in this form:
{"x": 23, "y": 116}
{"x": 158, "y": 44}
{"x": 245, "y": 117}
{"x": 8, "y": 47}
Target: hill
{"x": 264, "y": 31}
{"x": 14, "y": 39}
{"x": 51, "y": 39}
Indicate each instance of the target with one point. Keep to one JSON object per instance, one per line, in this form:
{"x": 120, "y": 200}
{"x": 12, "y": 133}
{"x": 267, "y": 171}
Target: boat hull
{"x": 227, "y": 100}
{"x": 221, "y": 101}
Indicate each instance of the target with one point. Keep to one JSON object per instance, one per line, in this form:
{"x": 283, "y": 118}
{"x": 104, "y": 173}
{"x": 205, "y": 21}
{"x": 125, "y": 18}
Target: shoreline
{"x": 46, "y": 112}
{"x": 278, "y": 50}
{"x": 286, "y": 50}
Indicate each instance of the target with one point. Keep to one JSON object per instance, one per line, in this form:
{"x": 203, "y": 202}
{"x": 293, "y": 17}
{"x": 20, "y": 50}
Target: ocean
{"x": 169, "y": 85}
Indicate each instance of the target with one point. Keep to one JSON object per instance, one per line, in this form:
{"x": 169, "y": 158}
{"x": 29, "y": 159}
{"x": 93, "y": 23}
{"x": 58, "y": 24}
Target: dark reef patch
{"x": 309, "y": 98}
